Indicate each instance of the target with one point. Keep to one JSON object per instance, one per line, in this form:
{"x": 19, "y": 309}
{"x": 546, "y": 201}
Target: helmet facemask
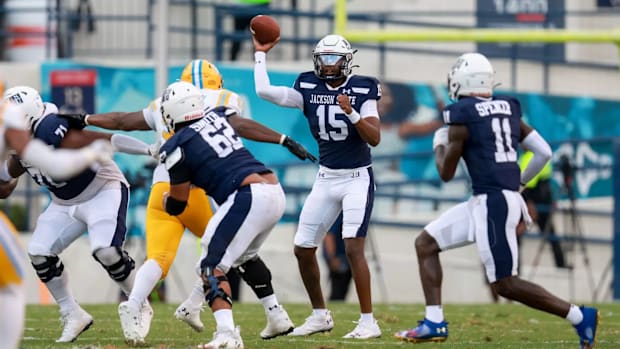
{"x": 329, "y": 66}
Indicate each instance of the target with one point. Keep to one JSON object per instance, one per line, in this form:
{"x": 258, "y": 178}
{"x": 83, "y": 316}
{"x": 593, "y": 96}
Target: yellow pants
{"x": 164, "y": 232}
{"x": 12, "y": 257}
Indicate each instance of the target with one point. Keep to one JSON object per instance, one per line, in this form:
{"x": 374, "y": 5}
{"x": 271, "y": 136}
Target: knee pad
{"x": 212, "y": 289}
{"x": 115, "y": 261}
{"x": 47, "y": 267}
{"x": 256, "y": 274}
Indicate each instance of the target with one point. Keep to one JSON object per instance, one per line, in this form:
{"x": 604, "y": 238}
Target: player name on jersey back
{"x": 495, "y": 107}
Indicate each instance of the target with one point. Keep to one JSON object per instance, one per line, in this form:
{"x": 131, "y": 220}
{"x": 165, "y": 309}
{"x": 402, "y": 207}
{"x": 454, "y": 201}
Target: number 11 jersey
{"x": 490, "y": 151}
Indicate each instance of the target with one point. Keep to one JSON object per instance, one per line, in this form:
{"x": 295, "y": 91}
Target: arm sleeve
{"x": 150, "y": 113}
{"x": 280, "y": 95}
{"x": 129, "y": 145}
{"x": 59, "y": 163}
{"x": 369, "y": 109}
{"x": 542, "y": 153}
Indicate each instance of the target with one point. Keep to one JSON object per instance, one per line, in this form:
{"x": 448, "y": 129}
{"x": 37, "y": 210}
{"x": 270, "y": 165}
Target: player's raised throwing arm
{"x": 280, "y": 95}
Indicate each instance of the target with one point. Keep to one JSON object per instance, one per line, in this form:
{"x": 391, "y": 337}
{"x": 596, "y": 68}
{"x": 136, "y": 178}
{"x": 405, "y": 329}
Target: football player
{"x": 205, "y": 152}
{"x": 485, "y": 130}
{"x": 63, "y": 164}
{"x": 341, "y": 109}
{"x": 164, "y": 232}
{"x": 94, "y": 200}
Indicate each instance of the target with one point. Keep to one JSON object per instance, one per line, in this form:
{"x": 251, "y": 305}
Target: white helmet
{"x": 333, "y": 50}
{"x": 471, "y": 74}
{"x": 181, "y": 102}
{"x": 29, "y": 99}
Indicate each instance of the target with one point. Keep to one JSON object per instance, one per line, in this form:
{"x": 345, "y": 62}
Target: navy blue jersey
{"x": 210, "y": 155}
{"x": 51, "y": 129}
{"x": 340, "y": 146}
{"x": 490, "y": 151}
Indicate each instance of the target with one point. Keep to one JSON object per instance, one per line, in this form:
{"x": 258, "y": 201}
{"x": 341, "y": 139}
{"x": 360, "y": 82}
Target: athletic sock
{"x": 574, "y": 316}
{"x": 62, "y": 294}
{"x": 434, "y": 313}
{"x": 269, "y": 302}
{"x": 224, "y": 319}
{"x": 146, "y": 278}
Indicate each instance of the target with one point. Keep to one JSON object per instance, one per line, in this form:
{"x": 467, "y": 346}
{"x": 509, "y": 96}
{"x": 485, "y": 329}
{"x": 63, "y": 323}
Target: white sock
{"x": 434, "y": 313}
{"x": 59, "y": 289}
{"x": 146, "y": 278}
{"x": 13, "y": 305}
{"x": 196, "y": 297}
{"x": 319, "y": 312}
{"x": 224, "y": 319}
{"x": 367, "y": 318}
{"x": 269, "y": 302}
{"x": 574, "y": 316}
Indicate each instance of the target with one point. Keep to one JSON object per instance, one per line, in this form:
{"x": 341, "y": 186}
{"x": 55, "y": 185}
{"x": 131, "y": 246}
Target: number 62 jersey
{"x": 490, "y": 151}
{"x": 210, "y": 155}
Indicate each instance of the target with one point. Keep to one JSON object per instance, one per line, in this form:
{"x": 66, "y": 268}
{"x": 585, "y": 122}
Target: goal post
{"x": 463, "y": 35}
{"x": 493, "y": 35}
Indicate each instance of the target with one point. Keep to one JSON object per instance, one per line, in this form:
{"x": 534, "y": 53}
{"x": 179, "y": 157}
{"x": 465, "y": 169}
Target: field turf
{"x": 502, "y": 326}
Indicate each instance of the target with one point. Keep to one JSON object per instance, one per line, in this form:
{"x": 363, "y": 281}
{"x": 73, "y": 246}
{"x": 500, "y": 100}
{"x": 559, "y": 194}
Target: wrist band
{"x": 86, "y": 119}
{"x": 282, "y": 138}
{"x": 354, "y": 116}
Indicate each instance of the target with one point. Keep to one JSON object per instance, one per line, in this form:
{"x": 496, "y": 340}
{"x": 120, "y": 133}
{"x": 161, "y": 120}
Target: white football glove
{"x": 154, "y": 149}
{"x": 440, "y": 138}
{"x": 99, "y": 150}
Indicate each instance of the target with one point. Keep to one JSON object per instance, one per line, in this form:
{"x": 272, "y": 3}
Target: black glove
{"x": 297, "y": 149}
{"x": 76, "y": 121}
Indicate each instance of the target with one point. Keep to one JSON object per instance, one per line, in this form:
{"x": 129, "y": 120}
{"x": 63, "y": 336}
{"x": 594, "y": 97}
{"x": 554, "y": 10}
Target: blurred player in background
{"x": 341, "y": 109}
{"x": 163, "y": 231}
{"x": 94, "y": 200}
{"x": 14, "y": 134}
{"x": 486, "y": 130}
{"x": 206, "y": 152}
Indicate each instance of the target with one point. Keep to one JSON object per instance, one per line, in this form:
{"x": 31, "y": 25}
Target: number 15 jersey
{"x": 340, "y": 145}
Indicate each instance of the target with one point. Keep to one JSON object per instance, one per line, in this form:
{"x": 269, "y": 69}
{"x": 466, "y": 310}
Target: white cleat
{"x": 224, "y": 339}
{"x": 190, "y": 315}
{"x": 146, "y": 312}
{"x": 74, "y": 323}
{"x": 315, "y": 324}
{"x": 278, "y": 323}
{"x": 365, "y": 330}
{"x": 131, "y": 322}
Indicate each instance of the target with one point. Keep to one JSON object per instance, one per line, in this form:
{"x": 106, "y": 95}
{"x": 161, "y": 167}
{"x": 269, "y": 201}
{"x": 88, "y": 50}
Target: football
{"x": 265, "y": 28}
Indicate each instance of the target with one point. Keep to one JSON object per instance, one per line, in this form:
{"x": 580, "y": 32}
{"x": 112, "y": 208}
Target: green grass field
{"x": 471, "y": 326}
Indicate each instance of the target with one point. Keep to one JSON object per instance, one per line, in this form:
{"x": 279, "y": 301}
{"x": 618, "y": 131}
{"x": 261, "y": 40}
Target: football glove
{"x": 297, "y": 149}
{"x": 76, "y": 121}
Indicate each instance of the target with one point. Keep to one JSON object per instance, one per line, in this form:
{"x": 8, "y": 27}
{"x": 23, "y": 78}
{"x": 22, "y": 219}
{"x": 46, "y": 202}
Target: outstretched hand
{"x": 76, "y": 121}
{"x": 298, "y": 149}
{"x": 258, "y": 46}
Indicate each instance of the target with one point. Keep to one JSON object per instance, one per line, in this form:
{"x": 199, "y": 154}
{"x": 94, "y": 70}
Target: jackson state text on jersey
{"x": 51, "y": 129}
{"x": 340, "y": 146}
{"x": 210, "y": 155}
{"x": 490, "y": 151}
